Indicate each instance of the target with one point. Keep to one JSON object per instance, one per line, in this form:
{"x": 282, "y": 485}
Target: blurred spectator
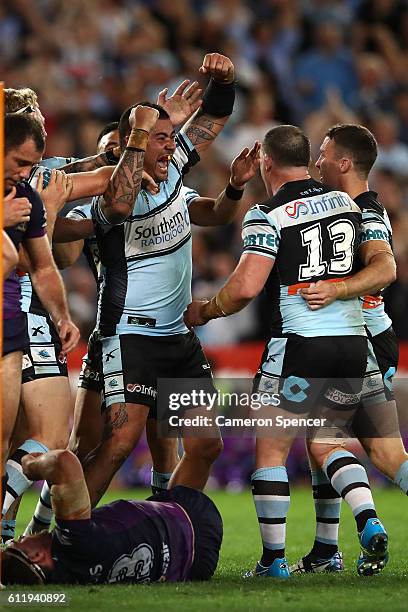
{"x": 396, "y": 300}
{"x": 401, "y": 107}
{"x": 329, "y": 64}
{"x": 258, "y": 120}
{"x": 389, "y": 185}
{"x": 376, "y": 88}
{"x": 392, "y": 154}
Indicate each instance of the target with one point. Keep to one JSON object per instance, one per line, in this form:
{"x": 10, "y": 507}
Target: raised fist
{"x": 143, "y": 118}
{"x": 219, "y": 67}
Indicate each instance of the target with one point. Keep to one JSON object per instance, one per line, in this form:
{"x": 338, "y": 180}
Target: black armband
{"x": 232, "y": 193}
{"x": 111, "y": 157}
{"x": 218, "y": 99}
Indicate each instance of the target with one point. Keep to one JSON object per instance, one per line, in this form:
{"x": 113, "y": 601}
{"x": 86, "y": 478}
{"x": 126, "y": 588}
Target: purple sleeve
{"x": 36, "y": 227}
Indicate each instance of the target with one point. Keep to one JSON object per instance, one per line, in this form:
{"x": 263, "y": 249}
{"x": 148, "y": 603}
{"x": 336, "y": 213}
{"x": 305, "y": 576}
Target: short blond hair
{"x": 18, "y": 98}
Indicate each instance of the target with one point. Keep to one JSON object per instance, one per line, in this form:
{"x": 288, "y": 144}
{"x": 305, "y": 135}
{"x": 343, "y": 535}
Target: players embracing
{"x": 305, "y": 231}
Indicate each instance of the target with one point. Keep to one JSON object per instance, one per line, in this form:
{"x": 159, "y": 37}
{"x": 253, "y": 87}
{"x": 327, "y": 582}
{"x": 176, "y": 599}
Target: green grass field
{"x": 229, "y": 592}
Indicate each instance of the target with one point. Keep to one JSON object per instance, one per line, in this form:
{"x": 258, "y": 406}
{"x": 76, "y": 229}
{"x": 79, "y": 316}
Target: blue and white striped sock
{"x": 159, "y": 481}
{"x": 327, "y": 507}
{"x": 43, "y": 512}
{"x": 349, "y": 478}
{"x": 270, "y": 490}
{"x": 8, "y": 528}
{"x": 18, "y": 483}
{"x": 401, "y": 477}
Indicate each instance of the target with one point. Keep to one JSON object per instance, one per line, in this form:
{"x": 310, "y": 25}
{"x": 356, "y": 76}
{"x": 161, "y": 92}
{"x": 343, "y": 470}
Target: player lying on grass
{"x": 174, "y": 536}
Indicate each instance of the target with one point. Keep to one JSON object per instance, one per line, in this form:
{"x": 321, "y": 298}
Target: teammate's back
{"x": 312, "y": 232}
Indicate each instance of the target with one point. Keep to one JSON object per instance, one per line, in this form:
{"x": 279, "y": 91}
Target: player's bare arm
{"x": 380, "y": 271}
{"x": 10, "y": 255}
{"x": 69, "y": 230}
{"x": 62, "y": 470}
{"x": 93, "y": 162}
{"x": 65, "y": 255}
{"x": 211, "y": 212}
{"x": 125, "y": 184}
{"x": 68, "y": 240}
{"x": 48, "y": 284}
{"x": 244, "y": 284}
{"x": 89, "y": 184}
{"x": 218, "y": 102}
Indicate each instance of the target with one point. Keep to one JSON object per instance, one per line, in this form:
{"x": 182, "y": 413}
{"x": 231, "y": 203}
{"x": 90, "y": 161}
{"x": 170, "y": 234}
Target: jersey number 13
{"x": 341, "y": 235}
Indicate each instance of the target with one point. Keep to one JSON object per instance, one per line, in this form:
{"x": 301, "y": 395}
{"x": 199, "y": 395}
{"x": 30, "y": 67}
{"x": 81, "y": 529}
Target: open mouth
{"x": 163, "y": 162}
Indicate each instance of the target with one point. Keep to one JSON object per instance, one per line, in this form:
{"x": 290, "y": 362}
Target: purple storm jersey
{"x": 34, "y": 228}
{"x": 125, "y": 541}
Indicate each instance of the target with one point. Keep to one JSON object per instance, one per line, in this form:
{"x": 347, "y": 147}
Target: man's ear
{"x": 346, "y": 165}
{"x": 268, "y": 162}
{"x": 42, "y": 555}
{"x": 39, "y": 556}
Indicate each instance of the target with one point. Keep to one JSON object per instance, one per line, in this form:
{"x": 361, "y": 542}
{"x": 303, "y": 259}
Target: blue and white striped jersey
{"x": 91, "y": 249}
{"x": 312, "y": 233}
{"x": 57, "y": 162}
{"x": 147, "y": 259}
{"x": 29, "y": 299}
{"x": 375, "y": 226}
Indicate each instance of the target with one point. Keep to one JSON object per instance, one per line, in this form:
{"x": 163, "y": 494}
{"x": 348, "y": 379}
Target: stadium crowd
{"x": 313, "y": 64}
{"x": 307, "y": 62}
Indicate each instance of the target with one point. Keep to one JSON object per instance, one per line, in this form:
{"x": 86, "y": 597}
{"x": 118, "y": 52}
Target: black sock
{"x": 363, "y": 517}
{"x": 4, "y": 480}
{"x": 269, "y": 556}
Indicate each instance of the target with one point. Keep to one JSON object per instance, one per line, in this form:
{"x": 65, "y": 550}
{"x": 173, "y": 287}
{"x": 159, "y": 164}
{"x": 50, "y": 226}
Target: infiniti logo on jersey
{"x": 316, "y": 206}
{"x": 295, "y": 209}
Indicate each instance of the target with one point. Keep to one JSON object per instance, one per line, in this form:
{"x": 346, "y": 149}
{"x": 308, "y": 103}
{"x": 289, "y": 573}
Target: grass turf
{"x": 229, "y": 592}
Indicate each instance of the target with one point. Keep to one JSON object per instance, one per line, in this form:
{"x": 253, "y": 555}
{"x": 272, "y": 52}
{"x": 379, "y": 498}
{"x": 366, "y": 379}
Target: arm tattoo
{"x": 115, "y": 419}
{"x": 87, "y": 164}
{"x": 203, "y": 128}
{"x": 126, "y": 181}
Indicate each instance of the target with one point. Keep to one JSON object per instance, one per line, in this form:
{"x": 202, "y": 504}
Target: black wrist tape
{"x": 111, "y": 157}
{"x": 232, "y": 193}
{"x": 218, "y": 99}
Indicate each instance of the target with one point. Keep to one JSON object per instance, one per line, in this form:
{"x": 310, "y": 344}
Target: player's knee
{"x": 65, "y": 464}
{"x": 208, "y": 449}
{"x": 53, "y": 441}
{"x": 319, "y": 453}
{"x": 384, "y": 459}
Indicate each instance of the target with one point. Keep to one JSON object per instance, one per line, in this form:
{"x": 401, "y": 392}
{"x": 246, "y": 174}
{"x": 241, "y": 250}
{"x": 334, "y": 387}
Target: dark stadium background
{"x": 310, "y": 62}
